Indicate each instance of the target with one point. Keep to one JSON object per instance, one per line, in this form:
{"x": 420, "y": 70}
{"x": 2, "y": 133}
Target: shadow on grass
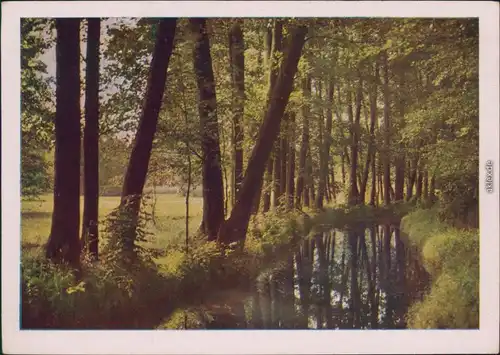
{"x": 36, "y": 214}
{"x": 30, "y": 246}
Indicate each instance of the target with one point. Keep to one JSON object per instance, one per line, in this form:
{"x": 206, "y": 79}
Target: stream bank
{"x": 451, "y": 257}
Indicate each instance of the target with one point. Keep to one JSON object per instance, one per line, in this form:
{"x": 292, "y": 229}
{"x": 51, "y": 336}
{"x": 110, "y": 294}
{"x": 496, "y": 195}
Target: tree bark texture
{"x": 64, "y": 243}
{"x": 301, "y": 177}
{"x": 353, "y": 198}
{"x": 290, "y": 186}
{"x": 268, "y": 56}
{"x": 370, "y": 155}
{"x": 277, "y": 49}
{"x": 135, "y": 176}
{"x": 237, "y": 56}
{"x": 90, "y": 237}
{"x": 386, "y": 133}
{"x": 235, "y": 228}
{"x": 213, "y": 189}
{"x": 325, "y": 149}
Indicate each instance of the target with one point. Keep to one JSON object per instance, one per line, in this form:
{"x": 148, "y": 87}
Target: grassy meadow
{"x": 168, "y": 229}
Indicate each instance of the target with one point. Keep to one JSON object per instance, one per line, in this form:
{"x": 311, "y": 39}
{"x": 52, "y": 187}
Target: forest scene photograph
{"x": 249, "y": 173}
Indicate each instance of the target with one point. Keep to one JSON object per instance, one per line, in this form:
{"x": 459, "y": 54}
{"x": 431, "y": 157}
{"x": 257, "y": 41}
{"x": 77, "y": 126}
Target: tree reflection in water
{"x": 361, "y": 278}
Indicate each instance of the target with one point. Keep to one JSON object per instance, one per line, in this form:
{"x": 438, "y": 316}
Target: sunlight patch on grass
{"x": 36, "y": 218}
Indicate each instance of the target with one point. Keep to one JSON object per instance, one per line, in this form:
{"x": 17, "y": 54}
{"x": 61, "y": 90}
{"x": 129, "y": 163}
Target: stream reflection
{"x": 358, "y": 278}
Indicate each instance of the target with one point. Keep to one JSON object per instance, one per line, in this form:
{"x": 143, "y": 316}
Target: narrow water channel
{"x": 358, "y": 278}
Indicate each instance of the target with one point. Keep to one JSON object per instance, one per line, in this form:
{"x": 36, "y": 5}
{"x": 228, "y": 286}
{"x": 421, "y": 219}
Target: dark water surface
{"x": 360, "y": 278}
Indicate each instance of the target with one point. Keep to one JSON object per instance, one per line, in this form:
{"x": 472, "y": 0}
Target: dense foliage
{"x": 286, "y": 128}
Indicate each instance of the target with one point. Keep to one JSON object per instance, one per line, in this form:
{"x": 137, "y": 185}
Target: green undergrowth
{"x": 451, "y": 256}
{"x": 111, "y": 295}
{"x": 106, "y": 296}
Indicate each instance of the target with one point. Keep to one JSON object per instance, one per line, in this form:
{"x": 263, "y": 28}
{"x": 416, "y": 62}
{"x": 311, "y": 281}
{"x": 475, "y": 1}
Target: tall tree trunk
{"x": 213, "y": 190}
{"x": 266, "y": 201}
{"x": 412, "y": 176}
{"x": 432, "y": 189}
{"x": 272, "y": 75}
{"x": 320, "y": 144}
{"x": 306, "y": 195}
{"x": 267, "y": 41}
{"x": 284, "y": 154}
{"x": 353, "y": 198}
{"x": 90, "y": 236}
{"x": 399, "y": 179}
{"x": 277, "y": 173}
{"x": 333, "y": 183}
{"x": 364, "y": 177}
{"x": 64, "y": 244}
{"x": 387, "y": 132}
{"x": 137, "y": 168}
{"x": 370, "y": 154}
{"x": 418, "y": 188}
{"x": 373, "y": 193}
{"x": 426, "y": 185}
{"x": 235, "y": 228}
{"x": 306, "y": 89}
{"x": 342, "y": 158}
{"x": 400, "y": 163}
{"x": 359, "y": 172}
{"x": 290, "y": 186}
{"x": 312, "y": 189}
{"x": 189, "y": 179}
{"x": 237, "y": 56}
{"x": 343, "y": 155}
{"x": 328, "y": 190}
{"x": 380, "y": 176}
{"x": 277, "y": 48}
{"x": 408, "y": 172}
{"x": 327, "y": 140}
{"x": 309, "y": 183}
{"x": 227, "y": 194}
{"x": 256, "y": 201}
